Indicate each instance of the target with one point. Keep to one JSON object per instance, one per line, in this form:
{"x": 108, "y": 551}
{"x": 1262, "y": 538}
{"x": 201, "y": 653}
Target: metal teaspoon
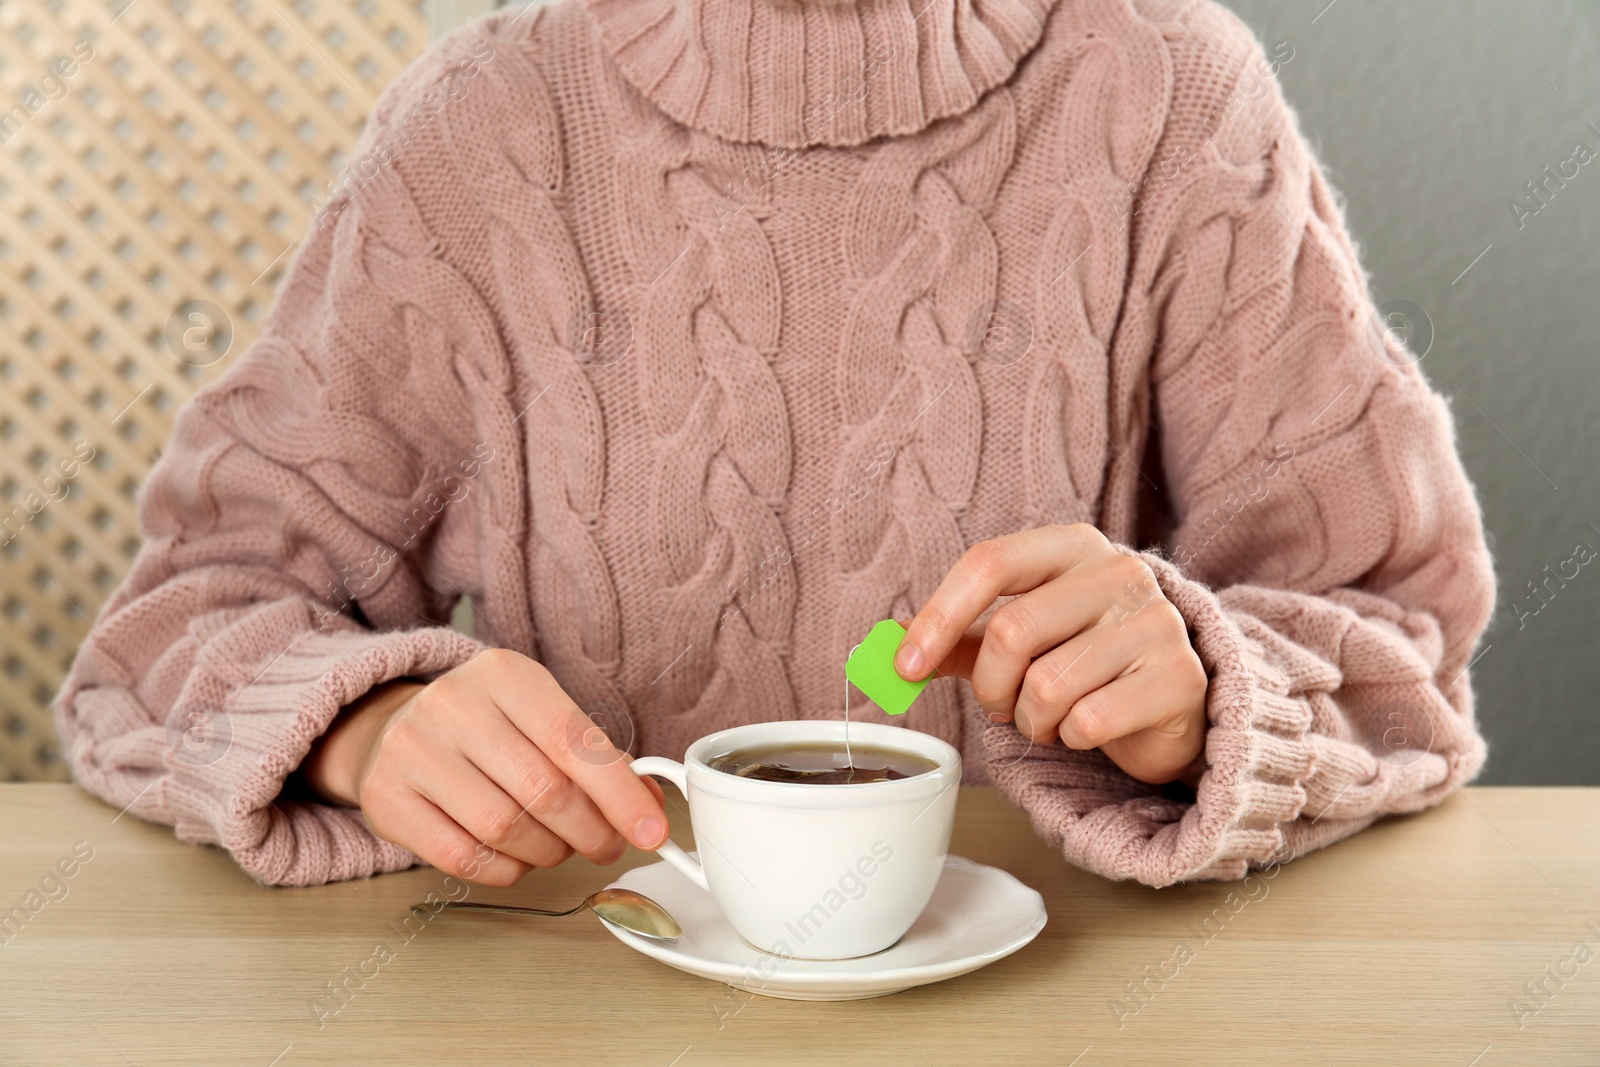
{"x": 627, "y": 909}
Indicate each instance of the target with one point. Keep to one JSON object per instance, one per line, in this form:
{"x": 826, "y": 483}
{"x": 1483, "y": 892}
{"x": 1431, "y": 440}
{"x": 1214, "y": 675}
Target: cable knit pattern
{"x": 709, "y": 310}
{"x": 1102, "y": 118}
{"x": 804, "y": 223}
{"x": 510, "y": 165}
{"x": 923, "y": 269}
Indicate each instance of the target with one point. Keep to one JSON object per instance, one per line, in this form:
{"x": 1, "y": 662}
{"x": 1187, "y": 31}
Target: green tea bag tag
{"x": 871, "y": 668}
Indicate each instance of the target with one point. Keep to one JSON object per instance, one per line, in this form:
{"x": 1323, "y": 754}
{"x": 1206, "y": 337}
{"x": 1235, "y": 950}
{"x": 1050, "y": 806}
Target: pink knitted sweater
{"x": 688, "y": 338}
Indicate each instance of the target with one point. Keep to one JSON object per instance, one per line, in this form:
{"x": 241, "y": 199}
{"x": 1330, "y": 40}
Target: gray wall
{"x": 1428, "y": 117}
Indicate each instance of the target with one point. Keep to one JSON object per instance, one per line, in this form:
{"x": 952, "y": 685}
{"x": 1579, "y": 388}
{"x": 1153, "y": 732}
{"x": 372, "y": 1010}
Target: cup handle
{"x": 674, "y": 772}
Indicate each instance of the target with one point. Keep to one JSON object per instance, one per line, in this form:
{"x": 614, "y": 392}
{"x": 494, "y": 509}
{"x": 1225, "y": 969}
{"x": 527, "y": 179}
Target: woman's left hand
{"x": 1089, "y": 650}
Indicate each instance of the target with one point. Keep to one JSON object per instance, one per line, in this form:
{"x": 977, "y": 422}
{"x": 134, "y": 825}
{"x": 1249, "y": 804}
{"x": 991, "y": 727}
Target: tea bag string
{"x": 849, "y": 756}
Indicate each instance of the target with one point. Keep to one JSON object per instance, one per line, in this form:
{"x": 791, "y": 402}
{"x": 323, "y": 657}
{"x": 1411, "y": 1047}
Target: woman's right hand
{"x": 492, "y": 753}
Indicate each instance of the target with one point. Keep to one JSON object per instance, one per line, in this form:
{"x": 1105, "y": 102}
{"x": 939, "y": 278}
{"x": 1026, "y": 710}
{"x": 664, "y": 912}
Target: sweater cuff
{"x": 1258, "y": 754}
{"x": 231, "y": 797}
{"x": 1257, "y": 757}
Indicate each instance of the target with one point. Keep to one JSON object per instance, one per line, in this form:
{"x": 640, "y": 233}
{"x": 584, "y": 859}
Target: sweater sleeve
{"x": 280, "y": 574}
{"x": 1324, "y": 544}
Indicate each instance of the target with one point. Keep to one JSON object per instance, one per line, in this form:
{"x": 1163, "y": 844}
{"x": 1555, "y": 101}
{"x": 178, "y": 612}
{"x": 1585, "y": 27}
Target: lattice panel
{"x": 153, "y": 154}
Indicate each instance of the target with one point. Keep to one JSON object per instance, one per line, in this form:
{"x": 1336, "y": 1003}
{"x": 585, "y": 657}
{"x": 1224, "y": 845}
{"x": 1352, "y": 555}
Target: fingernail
{"x": 909, "y": 662}
{"x": 997, "y": 716}
{"x": 651, "y": 833}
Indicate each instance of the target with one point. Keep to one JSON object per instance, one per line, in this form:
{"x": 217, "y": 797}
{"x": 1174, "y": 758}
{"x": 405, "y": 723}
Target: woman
{"x": 688, "y": 338}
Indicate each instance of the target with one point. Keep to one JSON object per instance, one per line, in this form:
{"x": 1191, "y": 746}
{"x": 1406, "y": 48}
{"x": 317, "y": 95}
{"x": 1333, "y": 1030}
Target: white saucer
{"x": 977, "y": 915}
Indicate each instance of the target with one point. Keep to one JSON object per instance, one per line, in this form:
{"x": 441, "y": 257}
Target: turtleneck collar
{"x": 793, "y": 73}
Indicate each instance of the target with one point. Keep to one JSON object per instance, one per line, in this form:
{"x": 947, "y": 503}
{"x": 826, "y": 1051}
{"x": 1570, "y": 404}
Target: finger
{"x": 441, "y": 841}
{"x": 1066, "y": 674}
{"x": 1031, "y": 625}
{"x": 1006, "y": 565}
{"x": 1120, "y": 708}
{"x": 487, "y": 812}
{"x": 535, "y": 703}
{"x": 544, "y": 794}
{"x": 964, "y": 656}
{"x": 1139, "y": 721}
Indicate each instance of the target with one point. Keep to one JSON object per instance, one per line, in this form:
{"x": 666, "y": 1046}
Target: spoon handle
{"x": 472, "y": 906}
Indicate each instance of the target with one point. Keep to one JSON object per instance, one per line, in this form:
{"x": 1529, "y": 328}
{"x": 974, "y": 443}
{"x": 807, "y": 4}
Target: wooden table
{"x": 1409, "y": 944}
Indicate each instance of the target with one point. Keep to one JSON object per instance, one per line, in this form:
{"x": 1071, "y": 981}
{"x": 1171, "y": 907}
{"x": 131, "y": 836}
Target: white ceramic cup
{"x": 815, "y": 872}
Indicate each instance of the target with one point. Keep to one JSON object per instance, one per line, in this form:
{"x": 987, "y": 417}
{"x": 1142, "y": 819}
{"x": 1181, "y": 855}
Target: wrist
{"x": 333, "y": 767}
